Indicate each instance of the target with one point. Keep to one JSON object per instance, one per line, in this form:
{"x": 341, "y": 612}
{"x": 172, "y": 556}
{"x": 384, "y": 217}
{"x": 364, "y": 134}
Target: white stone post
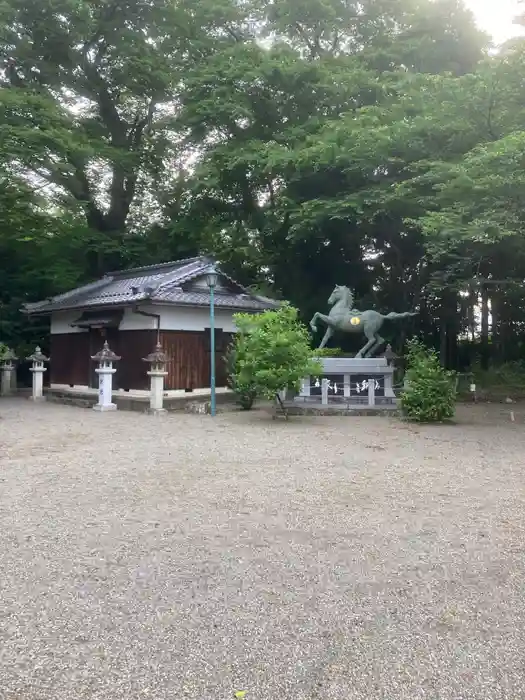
{"x": 157, "y": 372}
{"x": 105, "y": 371}
{"x": 38, "y": 369}
{"x": 7, "y": 367}
{"x": 389, "y": 385}
{"x": 324, "y": 392}
{"x": 371, "y": 391}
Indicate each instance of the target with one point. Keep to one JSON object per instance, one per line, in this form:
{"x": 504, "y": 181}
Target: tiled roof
{"x": 162, "y": 283}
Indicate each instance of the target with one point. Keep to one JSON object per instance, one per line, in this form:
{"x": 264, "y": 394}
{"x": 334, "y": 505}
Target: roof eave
{"x": 86, "y": 307}
{"x": 167, "y": 302}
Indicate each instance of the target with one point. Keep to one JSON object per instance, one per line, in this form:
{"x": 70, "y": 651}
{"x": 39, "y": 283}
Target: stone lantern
{"x": 105, "y": 370}
{"x": 157, "y": 372}
{"x": 391, "y": 360}
{"x": 7, "y": 366}
{"x": 38, "y": 369}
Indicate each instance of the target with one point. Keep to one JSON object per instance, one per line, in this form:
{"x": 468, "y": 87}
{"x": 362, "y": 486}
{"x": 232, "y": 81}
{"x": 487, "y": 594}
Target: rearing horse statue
{"x": 343, "y": 317}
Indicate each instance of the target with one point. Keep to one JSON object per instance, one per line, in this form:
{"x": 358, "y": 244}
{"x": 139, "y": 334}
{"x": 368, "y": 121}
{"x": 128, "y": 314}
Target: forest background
{"x": 378, "y": 144}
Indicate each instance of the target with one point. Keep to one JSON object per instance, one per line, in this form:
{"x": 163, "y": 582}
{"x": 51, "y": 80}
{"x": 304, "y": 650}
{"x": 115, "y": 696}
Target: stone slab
{"x": 317, "y": 409}
{"x": 355, "y": 365}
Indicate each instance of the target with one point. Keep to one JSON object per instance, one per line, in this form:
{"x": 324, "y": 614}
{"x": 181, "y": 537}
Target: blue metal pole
{"x": 212, "y": 350}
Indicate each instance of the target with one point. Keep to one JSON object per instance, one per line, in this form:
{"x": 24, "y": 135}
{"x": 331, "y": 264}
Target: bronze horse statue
{"x": 343, "y": 317}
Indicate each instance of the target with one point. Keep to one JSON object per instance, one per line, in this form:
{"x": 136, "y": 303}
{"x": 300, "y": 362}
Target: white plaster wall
{"x": 61, "y": 320}
{"x": 172, "y": 318}
{"x": 193, "y": 319}
{"x": 135, "y": 322}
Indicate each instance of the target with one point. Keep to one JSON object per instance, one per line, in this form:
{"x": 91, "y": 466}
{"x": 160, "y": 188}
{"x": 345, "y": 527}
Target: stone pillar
{"x": 105, "y": 371}
{"x": 157, "y": 372}
{"x": 324, "y": 392}
{"x": 305, "y": 387}
{"x": 371, "y": 391}
{"x": 389, "y": 385}
{"x": 7, "y": 367}
{"x": 38, "y": 369}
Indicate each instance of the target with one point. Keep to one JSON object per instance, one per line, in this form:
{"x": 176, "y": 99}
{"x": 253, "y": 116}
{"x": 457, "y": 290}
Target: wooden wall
{"x": 188, "y": 367}
{"x": 189, "y": 353}
{"x": 70, "y": 363}
{"x": 132, "y": 370}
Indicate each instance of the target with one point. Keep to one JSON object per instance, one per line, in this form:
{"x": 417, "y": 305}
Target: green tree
{"x": 430, "y": 394}
{"x": 273, "y": 352}
{"x": 89, "y": 93}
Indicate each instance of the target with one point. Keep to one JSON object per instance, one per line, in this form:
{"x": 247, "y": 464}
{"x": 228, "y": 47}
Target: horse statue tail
{"x": 393, "y": 316}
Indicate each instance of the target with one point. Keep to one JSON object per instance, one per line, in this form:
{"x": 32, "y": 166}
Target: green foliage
{"x": 273, "y": 351}
{"x": 374, "y": 143}
{"x": 330, "y": 352}
{"x": 430, "y": 395}
{"x": 507, "y": 377}
{"x": 244, "y": 390}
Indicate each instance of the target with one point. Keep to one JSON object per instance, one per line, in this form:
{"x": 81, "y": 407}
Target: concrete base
{"x": 317, "y": 409}
{"x": 173, "y": 401}
{"x": 106, "y": 407}
{"x": 37, "y": 399}
{"x": 156, "y": 411}
{"x": 350, "y": 383}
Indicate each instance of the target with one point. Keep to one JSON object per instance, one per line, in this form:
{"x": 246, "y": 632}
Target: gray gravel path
{"x": 186, "y": 557}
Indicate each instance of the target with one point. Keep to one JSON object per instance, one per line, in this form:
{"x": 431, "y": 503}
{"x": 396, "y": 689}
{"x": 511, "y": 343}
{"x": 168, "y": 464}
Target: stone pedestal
{"x": 7, "y": 370}
{"x": 351, "y": 382}
{"x": 38, "y": 384}
{"x": 105, "y": 371}
{"x": 157, "y": 360}
{"x": 6, "y": 380}
{"x": 105, "y": 389}
{"x": 38, "y": 369}
{"x": 156, "y": 400}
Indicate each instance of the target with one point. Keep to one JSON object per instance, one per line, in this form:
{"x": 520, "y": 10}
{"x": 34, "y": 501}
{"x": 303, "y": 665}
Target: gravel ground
{"x": 185, "y": 557}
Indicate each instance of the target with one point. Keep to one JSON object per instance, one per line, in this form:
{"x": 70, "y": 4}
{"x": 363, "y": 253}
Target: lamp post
{"x": 211, "y": 281}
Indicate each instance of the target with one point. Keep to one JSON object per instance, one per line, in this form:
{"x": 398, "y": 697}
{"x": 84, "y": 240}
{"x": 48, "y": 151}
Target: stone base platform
{"x": 349, "y": 385}
{"x": 134, "y": 402}
{"x": 316, "y": 409}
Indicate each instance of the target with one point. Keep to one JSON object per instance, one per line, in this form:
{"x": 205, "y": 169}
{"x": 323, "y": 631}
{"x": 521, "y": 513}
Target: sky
{"x": 495, "y": 17}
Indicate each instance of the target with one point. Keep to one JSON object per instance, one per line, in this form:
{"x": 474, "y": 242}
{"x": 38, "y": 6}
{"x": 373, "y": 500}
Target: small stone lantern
{"x": 7, "y": 360}
{"x": 157, "y": 372}
{"x": 391, "y": 360}
{"x": 105, "y": 370}
{"x": 38, "y": 369}
{"x": 390, "y": 356}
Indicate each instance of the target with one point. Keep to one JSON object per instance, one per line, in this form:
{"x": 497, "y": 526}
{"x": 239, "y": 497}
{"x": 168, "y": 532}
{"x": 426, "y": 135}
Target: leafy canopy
{"x": 273, "y": 351}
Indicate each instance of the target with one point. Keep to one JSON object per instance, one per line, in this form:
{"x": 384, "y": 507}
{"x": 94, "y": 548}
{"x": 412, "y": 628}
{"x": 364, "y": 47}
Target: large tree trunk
{"x": 485, "y": 351}
{"x": 448, "y": 353}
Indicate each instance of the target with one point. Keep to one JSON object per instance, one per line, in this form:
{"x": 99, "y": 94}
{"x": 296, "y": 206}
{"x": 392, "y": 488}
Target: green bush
{"x": 245, "y": 391}
{"x": 510, "y": 375}
{"x": 272, "y": 352}
{"x": 430, "y": 395}
{"x": 330, "y": 352}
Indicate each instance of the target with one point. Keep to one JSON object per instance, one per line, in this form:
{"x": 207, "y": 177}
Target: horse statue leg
{"x": 329, "y": 327}
{"x": 376, "y": 346}
{"x": 329, "y": 333}
{"x": 372, "y": 341}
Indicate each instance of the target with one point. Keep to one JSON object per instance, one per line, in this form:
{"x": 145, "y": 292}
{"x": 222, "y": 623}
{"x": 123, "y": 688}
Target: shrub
{"x": 330, "y": 352}
{"x": 245, "y": 391}
{"x": 430, "y": 395}
{"x": 272, "y": 352}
